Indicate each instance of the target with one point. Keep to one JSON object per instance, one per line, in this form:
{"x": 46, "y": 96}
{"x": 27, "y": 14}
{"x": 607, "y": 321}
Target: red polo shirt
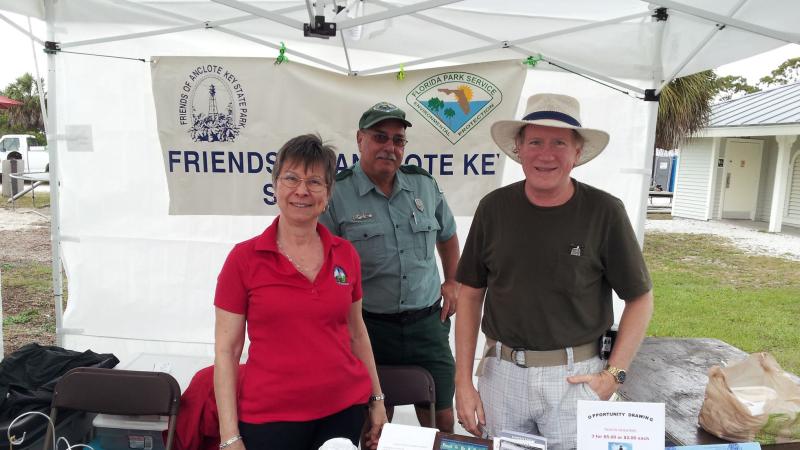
{"x": 300, "y": 365}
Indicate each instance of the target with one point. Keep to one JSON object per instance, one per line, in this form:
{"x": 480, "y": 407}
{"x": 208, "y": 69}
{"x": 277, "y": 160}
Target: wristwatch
{"x": 618, "y": 374}
{"x": 377, "y": 397}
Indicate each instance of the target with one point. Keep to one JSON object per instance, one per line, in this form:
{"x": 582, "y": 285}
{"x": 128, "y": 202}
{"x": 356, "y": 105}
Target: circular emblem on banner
{"x": 454, "y": 103}
{"x": 212, "y": 105}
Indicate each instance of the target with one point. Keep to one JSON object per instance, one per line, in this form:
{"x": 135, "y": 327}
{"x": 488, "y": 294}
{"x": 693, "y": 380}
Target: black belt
{"x": 405, "y": 316}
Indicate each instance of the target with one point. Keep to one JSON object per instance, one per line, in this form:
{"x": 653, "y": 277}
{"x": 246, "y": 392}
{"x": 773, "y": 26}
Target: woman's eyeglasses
{"x": 313, "y": 184}
{"x": 382, "y": 138}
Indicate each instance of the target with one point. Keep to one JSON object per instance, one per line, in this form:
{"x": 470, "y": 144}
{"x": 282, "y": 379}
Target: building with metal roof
{"x": 746, "y": 163}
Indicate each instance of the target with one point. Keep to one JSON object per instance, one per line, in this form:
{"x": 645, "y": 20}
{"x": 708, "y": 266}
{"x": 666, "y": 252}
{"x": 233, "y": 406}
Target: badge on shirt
{"x": 360, "y": 217}
{"x": 340, "y": 276}
{"x": 575, "y": 250}
{"x": 419, "y": 205}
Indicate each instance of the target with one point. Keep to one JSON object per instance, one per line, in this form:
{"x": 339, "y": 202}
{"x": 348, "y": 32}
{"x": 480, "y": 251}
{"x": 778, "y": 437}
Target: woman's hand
{"x": 377, "y": 417}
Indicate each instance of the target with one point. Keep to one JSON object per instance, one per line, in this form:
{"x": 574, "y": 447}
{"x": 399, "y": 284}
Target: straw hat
{"x": 550, "y": 110}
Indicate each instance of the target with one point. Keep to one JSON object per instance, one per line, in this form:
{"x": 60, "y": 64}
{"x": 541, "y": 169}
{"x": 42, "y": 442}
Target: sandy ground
{"x": 23, "y": 218}
{"x": 741, "y": 233}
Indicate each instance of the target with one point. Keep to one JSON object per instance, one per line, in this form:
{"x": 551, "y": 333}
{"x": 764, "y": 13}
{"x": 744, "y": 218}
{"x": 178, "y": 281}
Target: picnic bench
{"x": 675, "y": 372}
{"x": 659, "y": 194}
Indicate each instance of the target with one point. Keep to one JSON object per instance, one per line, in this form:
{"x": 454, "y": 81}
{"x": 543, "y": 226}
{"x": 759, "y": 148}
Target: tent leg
{"x": 52, "y": 147}
{"x": 652, "y": 118}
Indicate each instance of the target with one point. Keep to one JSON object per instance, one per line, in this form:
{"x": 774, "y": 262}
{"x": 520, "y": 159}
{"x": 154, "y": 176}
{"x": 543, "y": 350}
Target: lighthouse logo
{"x": 212, "y": 104}
{"x": 455, "y": 102}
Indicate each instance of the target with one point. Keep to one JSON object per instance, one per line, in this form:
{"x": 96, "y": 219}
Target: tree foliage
{"x": 684, "y": 108}
{"x": 732, "y": 86}
{"x": 685, "y": 104}
{"x": 788, "y": 72}
{"x": 25, "y": 118}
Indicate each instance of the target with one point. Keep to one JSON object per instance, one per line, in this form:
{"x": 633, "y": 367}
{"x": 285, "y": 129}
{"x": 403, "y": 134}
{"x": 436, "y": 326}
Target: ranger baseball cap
{"x": 380, "y": 112}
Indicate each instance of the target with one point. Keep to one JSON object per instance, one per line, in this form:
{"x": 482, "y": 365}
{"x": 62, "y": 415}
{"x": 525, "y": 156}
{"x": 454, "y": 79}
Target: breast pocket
{"x": 424, "y": 230}
{"x": 370, "y": 242}
{"x": 576, "y": 273}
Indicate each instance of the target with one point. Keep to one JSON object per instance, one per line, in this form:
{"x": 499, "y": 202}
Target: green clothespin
{"x": 282, "y": 58}
{"x": 402, "y": 74}
{"x": 531, "y": 61}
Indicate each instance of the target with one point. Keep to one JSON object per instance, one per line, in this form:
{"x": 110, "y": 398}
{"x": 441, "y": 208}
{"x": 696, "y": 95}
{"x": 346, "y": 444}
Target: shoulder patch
{"x": 412, "y": 169}
{"x": 344, "y": 174}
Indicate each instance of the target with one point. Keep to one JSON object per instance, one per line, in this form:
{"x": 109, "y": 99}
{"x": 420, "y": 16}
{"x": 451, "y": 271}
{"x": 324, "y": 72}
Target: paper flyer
{"x": 620, "y": 426}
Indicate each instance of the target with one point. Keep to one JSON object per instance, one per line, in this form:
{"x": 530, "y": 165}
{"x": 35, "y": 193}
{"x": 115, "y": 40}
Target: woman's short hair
{"x": 308, "y": 150}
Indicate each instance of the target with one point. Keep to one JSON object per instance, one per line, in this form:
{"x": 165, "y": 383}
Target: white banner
{"x": 222, "y": 120}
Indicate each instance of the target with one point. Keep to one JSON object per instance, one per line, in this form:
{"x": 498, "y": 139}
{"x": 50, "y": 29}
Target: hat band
{"x": 552, "y": 115}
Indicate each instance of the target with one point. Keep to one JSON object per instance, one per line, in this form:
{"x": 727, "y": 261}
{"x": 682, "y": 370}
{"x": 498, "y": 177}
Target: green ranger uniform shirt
{"x": 395, "y": 236}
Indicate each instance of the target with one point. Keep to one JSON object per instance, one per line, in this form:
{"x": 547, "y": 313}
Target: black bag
{"x": 27, "y": 379}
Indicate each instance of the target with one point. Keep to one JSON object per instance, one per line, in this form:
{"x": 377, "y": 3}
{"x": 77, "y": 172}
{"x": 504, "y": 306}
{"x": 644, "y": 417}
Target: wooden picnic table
{"x": 675, "y": 372}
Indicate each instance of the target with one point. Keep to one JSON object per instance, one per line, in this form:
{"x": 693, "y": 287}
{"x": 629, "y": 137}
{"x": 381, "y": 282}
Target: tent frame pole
{"x": 515, "y": 46}
{"x": 211, "y": 25}
{"x": 394, "y": 12}
{"x": 52, "y": 148}
{"x": 652, "y": 122}
{"x": 346, "y": 55}
{"x": 194, "y": 26}
{"x": 263, "y": 13}
{"x": 728, "y": 21}
{"x": 307, "y": 57}
{"x": 21, "y": 30}
{"x": 700, "y": 46}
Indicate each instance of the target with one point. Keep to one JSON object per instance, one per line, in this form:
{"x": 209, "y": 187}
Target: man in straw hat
{"x": 546, "y": 252}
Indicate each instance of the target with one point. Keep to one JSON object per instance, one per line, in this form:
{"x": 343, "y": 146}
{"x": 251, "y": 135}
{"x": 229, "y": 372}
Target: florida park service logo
{"x": 455, "y": 102}
{"x": 212, "y": 105}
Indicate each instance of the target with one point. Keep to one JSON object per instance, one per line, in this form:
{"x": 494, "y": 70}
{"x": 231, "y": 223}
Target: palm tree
{"x": 449, "y": 113}
{"x": 434, "y": 104}
{"x": 28, "y": 116}
{"x": 684, "y": 108}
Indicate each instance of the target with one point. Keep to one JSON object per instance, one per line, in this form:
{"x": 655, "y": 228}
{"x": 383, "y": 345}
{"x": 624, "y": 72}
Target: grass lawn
{"x": 27, "y": 304}
{"x": 705, "y": 287}
{"x": 26, "y": 201}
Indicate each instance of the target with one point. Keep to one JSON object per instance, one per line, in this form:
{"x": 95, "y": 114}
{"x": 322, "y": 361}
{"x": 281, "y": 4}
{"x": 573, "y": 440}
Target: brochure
{"x": 406, "y": 437}
{"x": 515, "y": 440}
{"x": 726, "y": 446}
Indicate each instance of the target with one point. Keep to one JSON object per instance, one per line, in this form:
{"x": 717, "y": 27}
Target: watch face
{"x": 621, "y": 375}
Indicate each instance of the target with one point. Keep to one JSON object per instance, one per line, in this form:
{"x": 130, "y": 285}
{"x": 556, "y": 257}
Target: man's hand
{"x": 603, "y": 384}
{"x": 470, "y": 409}
{"x": 450, "y": 298}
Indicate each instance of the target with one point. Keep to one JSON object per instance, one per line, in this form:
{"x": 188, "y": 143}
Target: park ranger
{"x": 397, "y": 217}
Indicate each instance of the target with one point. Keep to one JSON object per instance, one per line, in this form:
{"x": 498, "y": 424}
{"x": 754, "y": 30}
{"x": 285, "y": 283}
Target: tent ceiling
{"x": 617, "y": 41}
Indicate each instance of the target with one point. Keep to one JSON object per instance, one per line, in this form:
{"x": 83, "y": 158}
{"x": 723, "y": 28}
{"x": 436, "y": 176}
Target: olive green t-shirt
{"x": 549, "y": 271}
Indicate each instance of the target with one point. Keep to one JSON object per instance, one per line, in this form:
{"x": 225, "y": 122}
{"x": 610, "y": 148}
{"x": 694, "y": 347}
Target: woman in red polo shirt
{"x": 310, "y": 375}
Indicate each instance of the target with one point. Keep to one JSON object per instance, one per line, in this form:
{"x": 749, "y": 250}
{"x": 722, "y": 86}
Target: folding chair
{"x": 408, "y": 385}
{"x": 119, "y": 392}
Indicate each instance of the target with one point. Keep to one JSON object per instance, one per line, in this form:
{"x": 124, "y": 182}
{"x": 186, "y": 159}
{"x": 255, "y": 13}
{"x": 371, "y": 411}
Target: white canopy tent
{"x": 131, "y": 267}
